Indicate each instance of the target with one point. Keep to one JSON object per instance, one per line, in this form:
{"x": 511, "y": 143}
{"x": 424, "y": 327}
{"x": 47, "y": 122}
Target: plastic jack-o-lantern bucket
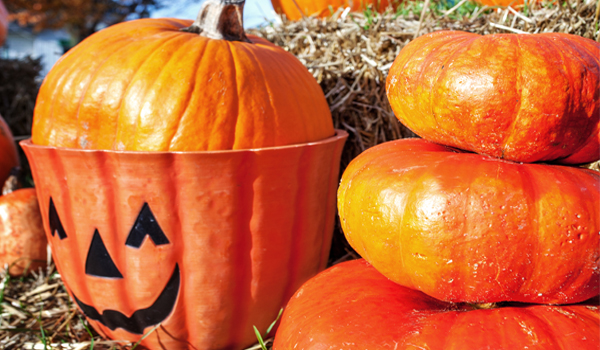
{"x": 196, "y": 247}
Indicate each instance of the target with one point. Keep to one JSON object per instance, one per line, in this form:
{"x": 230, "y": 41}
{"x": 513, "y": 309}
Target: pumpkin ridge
{"x": 574, "y": 102}
{"x": 466, "y": 222}
{"x": 239, "y": 123}
{"x": 517, "y": 113}
{"x": 577, "y": 47}
{"x": 462, "y": 47}
{"x": 295, "y": 76}
{"x": 151, "y": 93}
{"x": 392, "y": 80}
{"x": 123, "y": 116}
{"x": 356, "y": 174}
{"x": 188, "y": 116}
{"x": 577, "y": 278}
{"x": 427, "y": 61}
{"x": 175, "y": 135}
{"x": 400, "y": 232}
{"x": 535, "y": 212}
{"x": 116, "y": 111}
{"x": 273, "y": 116}
{"x": 169, "y": 133}
{"x": 64, "y": 77}
{"x": 544, "y": 318}
{"x": 85, "y": 91}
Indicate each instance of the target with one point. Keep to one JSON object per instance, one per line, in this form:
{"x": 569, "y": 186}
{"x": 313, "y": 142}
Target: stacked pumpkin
{"x": 470, "y": 250}
{"x": 186, "y": 174}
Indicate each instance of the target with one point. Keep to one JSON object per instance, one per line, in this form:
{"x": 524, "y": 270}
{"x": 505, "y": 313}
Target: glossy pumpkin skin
{"x": 463, "y": 227}
{"x": 22, "y": 239}
{"x": 146, "y": 86}
{"x": 213, "y": 243}
{"x": 3, "y": 23}
{"x": 323, "y": 8}
{"x": 524, "y": 98}
{"x": 351, "y": 306}
{"x": 8, "y": 151}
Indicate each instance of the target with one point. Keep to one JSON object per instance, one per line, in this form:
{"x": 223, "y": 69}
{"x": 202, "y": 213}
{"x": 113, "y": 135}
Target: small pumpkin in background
{"x": 3, "y": 23}
{"x": 295, "y": 9}
{"x": 8, "y": 151}
{"x": 352, "y": 306}
{"x": 525, "y": 98}
{"x": 23, "y": 244}
{"x": 463, "y": 227}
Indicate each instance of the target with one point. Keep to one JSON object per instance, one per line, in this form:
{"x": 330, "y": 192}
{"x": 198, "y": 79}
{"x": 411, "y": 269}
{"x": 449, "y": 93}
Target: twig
{"x": 500, "y": 26}
{"x": 446, "y": 13}
{"x": 425, "y": 7}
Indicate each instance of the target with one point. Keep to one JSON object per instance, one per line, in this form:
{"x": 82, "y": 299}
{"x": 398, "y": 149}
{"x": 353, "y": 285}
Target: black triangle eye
{"x": 146, "y": 225}
{"x": 98, "y": 262}
{"x": 55, "y": 224}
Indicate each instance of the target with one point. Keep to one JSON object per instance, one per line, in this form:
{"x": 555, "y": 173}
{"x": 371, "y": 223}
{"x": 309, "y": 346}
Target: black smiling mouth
{"x": 140, "y": 319}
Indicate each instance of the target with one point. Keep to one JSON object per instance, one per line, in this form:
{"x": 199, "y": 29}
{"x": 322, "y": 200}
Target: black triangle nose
{"x": 98, "y": 262}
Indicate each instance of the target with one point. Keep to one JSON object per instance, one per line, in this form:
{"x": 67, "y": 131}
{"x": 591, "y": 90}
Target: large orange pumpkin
{"x": 524, "y": 98}
{"x": 294, "y": 9}
{"x": 351, "y": 306}
{"x": 3, "y": 23}
{"x": 464, "y": 227}
{"x": 146, "y": 85}
{"x": 8, "y": 151}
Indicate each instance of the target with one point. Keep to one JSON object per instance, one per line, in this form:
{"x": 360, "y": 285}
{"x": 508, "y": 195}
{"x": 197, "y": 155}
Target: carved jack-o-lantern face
{"x": 192, "y": 249}
{"x": 99, "y": 264}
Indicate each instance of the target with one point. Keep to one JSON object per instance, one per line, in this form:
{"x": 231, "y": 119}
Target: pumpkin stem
{"x": 13, "y": 182}
{"x": 484, "y": 306}
{"x": 220, "y": 19}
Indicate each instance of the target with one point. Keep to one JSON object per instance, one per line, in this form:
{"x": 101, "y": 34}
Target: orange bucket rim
{"x": 339, "y": 135}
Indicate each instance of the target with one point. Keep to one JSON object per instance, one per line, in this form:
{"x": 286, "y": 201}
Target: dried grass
{"x": 349, "y": 55}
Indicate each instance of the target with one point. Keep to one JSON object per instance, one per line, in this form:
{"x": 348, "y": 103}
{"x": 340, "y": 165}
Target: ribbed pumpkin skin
{"x": 524, "y": 98}
{"x": 353, "y": 307}
{"x": 3, "y": 23}
{"x": 145, "y": 86}
{"x": 246, "y": 228}
{"x": 322, "y": 8}
{"x": 8, "y": 151}
{"x": 464, "y": 227}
